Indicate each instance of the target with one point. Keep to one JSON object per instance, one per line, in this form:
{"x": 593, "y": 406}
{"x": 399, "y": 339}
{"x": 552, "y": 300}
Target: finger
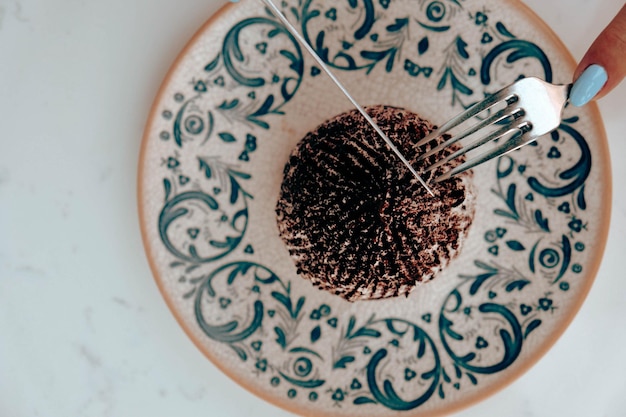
{"x": 608, "y": 52}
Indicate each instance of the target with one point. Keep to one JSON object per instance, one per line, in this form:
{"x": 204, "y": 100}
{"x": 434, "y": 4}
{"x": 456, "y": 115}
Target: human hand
{"x": 604, "y": 65}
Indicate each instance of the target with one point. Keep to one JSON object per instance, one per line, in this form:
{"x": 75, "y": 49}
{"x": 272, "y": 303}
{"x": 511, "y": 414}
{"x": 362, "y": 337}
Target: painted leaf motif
{"x": 580, "y": 200}
{"x": 189, "y": 294}
{"x": 460, "y": 87}
{"x": 472, "y": 378}
{"x": 281, "y": 339}
{"x": 531, "y": 326}
{"x": 295, "y": 13}
{"x": 446, "y": 326}
{"x": 213, "y": 64}
{"x": 480, "y": 280}
{"x": 167, "y": 185}
{"x": 296, "y": 64}
{"x": 204, "y": 166}
{"x": 265, "y": 107}
{"x": 461, "y": 46}
{"x": 515, "y": 245}
{"x": 315, "y": 334}
{"x": 312, "y": 383}
{"x": 398, "y": 25}
{"x": 457, "y": 371}
{"x": 429, "y": 374}
{"x": 262, "y": 111}
{"x": 239, "y": 174}
{"x": 283, "y": 299}
{"x": 374, "y": 55}
{"x": 421, "y": 349}
{"x": 237, "y": 271}
{"x": 343, "y": 362}
{"x": 541, "y": 221}
{"x": 485, "y": 266}
{"x": 422, "y": 46}
{"x": 555, "y": 135}
{"x": 228, "y": 105}
{"x": 503, "y": 213}
{"x": 218, "y": 244}
{"x": 321, "y": 50}
{"x": 299, "y": 305}
{"x": 445, "y": 376}
{"x": 442, "y": 82}
{"x": 178, "y": 135}
{"x": 378, "y": 56}
{"x": 363, "y": 400}
{"x": 510, "y": 197}
{"x": 503, "y": 30}
{"x": 234, "y": 190}
{"x": 517, "y": 285}
{"x": 240, "y": 352}
{"x": 226, "y": 137}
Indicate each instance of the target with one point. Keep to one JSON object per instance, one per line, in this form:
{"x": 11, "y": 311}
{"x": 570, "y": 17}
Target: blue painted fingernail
{"x": 588, "y": 85}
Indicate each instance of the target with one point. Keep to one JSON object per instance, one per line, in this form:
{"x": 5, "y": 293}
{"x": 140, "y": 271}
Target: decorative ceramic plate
{"x": 234, "y": 105}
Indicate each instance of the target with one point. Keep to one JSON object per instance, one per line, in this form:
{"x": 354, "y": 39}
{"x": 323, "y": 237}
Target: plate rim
{"x": 602, "y": 148}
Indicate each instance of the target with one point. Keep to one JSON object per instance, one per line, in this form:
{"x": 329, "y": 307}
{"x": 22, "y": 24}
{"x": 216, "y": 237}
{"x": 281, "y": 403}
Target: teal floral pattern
{"x": 326, "y": 357}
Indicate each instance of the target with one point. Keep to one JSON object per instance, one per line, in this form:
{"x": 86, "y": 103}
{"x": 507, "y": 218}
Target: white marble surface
{"x": 83, "y": 329}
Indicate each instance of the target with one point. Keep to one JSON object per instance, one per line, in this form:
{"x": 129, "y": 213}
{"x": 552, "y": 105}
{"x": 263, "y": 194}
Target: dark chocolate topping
{"x": 355, "y": 220}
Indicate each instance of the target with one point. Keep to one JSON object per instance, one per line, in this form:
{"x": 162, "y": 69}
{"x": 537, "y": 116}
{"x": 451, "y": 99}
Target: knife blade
{"x": 276, "y": 11}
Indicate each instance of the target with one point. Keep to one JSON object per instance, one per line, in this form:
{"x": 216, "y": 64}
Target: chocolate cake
{"x": 354, "y": 219}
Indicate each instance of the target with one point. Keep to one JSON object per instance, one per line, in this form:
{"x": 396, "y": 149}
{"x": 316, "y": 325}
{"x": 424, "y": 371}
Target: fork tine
{"x": 497, "y": 134}
{"x": 497, "y": 117}
{"x": 519, "y": 139}
{"x": 469, "y": 113}
{"x": 513, "y": 143}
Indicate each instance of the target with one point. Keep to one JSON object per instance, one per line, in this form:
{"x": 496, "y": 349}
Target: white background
{"x": 83, "y": 329}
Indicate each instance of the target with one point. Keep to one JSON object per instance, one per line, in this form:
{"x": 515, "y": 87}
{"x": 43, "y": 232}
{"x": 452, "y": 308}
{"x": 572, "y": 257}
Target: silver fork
{"x": 533, "y": 108}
